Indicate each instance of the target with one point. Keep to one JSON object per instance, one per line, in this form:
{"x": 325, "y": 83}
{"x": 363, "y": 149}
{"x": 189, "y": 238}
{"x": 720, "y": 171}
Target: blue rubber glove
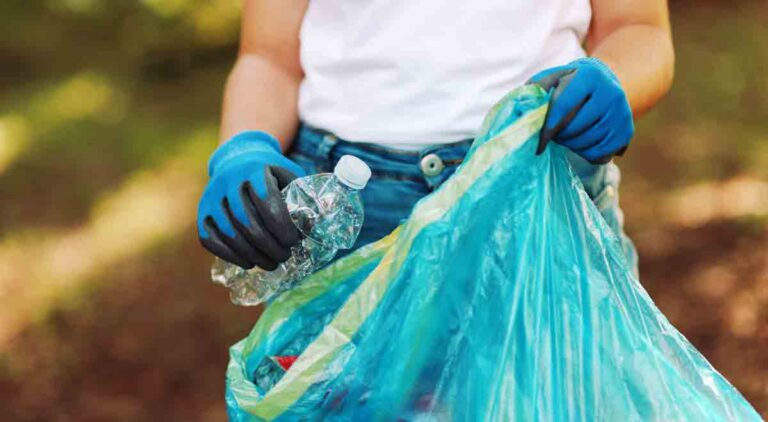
{"x": 588, "y": 111}
{"x": 242, "y": 217}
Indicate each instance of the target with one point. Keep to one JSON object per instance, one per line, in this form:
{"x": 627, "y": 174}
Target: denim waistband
{"x": 431, "y": 165}
{"x": 324, "y": 149}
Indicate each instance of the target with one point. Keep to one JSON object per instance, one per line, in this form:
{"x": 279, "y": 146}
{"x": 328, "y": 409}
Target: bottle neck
{"x": 349, "y": 189}
{"x": 345, "y": 186}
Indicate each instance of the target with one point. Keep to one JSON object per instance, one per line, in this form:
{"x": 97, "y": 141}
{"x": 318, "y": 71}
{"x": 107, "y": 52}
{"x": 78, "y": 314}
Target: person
{"x": 404, "y": 85}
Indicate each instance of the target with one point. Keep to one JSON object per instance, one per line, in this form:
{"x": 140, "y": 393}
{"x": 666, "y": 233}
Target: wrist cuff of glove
{"x": 594, "y": 61}
{"x": 247, "y": 142}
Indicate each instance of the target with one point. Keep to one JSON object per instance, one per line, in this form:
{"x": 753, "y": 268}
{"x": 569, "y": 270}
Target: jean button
{"x": 431, "y": 165}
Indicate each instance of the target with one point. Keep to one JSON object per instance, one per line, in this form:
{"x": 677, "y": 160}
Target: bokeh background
{"x": 108, "y": 112}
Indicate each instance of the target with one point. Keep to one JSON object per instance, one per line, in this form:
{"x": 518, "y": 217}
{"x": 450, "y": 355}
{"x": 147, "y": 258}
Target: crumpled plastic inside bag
{"x": 504, "y": 297}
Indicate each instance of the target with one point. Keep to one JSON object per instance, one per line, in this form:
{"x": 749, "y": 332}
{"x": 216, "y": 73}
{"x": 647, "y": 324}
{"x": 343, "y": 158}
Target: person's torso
{"x": 411, "y": 73}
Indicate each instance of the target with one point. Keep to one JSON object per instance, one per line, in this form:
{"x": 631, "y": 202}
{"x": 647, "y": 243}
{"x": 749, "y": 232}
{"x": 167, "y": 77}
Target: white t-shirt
{"x": 410, "y": 73}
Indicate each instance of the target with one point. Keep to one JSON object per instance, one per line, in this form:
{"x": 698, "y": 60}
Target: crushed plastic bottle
{"x": 327, "y": 210}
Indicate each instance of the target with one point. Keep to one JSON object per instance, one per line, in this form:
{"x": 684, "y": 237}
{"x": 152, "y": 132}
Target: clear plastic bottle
{"x": 327, "y": 210}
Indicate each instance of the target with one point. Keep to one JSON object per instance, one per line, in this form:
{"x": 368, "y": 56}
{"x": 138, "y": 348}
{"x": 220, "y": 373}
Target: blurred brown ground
{"x": 106, "y": 312}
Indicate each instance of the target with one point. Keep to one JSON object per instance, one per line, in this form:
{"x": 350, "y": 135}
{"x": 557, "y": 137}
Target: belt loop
{"x": 327, "y": 143}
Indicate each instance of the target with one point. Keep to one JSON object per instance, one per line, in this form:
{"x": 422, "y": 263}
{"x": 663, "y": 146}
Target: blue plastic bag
{"x": 504, "y": 297}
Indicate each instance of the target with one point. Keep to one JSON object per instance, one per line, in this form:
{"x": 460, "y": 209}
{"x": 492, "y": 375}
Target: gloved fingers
{"x": 283, "y": 176}
{"x": 286, "y": 169}
{"x": 259, "y": 232}
{"x": 258, "y": 247}
{"x": 253, "y": 249}
{"x": 585, "y": 119}
{"x": 570, "y": 94}
{"x": 565, "y": 103}
{"x": 234, "y": 208}
{"x": 610, "y": 144}
{"x": 617, "y": 138}
{"x": 549, "y": 78}
{"x": 210, "y": 206}
{"x": 216, "y": 242}
{"x": 273, "y": 210}
{"x": 587, "y": 139}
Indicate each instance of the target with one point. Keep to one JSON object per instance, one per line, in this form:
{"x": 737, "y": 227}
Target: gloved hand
{"x": 588, "y": 111}
{"x": 242, "y": 217}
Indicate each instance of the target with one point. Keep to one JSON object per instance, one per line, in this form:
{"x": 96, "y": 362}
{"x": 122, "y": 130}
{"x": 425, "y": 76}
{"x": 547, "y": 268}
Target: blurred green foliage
{"x": 92, "y": 90}
{"x": 713, "y": 124}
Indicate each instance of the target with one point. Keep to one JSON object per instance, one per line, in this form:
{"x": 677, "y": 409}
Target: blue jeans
{"x": 400, "y": 178}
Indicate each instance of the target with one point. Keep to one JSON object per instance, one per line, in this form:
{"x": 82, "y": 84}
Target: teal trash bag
{"x": 504, "y": 297}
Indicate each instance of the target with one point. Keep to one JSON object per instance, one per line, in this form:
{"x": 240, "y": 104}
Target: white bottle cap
{"x": 352, "y": 172}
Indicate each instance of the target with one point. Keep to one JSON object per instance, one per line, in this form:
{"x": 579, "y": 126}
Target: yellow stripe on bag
{"x": 309, "y": 367}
